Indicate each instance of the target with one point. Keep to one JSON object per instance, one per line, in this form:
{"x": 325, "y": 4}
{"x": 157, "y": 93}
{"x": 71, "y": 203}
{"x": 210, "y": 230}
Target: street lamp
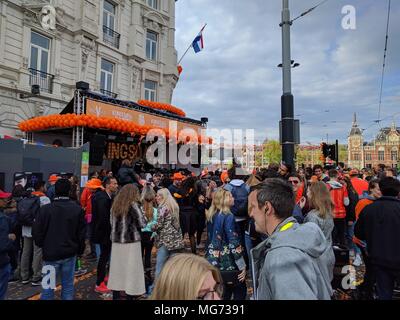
{"x": 287, "y": 100}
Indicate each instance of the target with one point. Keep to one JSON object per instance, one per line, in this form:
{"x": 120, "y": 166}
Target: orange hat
{"x": 314, "y": 179}
{"x": 178, "y": 176}
{"x": 224, "y": 176}
{"x": 353, "y": 172}
{"x": 53, "y": 178}
{"x": 94, "y": 184}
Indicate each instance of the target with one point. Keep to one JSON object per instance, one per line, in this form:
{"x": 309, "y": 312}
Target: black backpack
{"x": 240, "y": 194}
{"x": 28, "y": 209}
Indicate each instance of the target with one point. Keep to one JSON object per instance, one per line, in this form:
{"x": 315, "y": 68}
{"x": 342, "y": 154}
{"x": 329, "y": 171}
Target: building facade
{"x": 122, "y": 48}
{"x": 384, "y": 149}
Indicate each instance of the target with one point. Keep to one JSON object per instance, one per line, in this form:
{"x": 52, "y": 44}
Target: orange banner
{"x": 101, "y": 109}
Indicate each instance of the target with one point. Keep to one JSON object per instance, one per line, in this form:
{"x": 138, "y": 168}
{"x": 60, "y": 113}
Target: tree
{"x": 272, "y": 152}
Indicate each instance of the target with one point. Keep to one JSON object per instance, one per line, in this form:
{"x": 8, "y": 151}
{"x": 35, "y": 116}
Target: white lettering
{"x": 349, "y": 21}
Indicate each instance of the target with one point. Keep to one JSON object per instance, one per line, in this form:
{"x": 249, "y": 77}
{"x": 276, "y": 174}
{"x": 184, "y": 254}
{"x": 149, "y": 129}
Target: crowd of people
{"x": 276, "y": 231}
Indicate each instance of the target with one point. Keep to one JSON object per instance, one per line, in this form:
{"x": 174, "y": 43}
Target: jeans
{"x": 385, "y": 280}
{"x": 5, "y": 272}
{"x": 30, "y": 246}
{"x": 162, "y": 256}
{"x": 66, "y": 269}
{"x": 97, "y": 250}
{"x": 105, "y": 254}
{"x": 239, "y": 292}
{"x": 349, "y": 238}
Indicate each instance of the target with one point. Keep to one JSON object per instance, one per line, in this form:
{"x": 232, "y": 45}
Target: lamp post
{"x": 287, "y": 100}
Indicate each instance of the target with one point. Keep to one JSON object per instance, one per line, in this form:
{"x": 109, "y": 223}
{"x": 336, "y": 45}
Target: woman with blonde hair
{"x": 169, "y": 238}
{"x": 322, "y": 215}
{"x": 126, "y": 267}
{"x": 148, "y": 199}
{"x": 188, "y": 277}
{"x": 224, "y": 249}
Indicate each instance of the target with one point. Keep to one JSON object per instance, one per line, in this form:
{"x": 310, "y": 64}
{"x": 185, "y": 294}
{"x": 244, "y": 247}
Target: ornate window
{"x": 151, "y": 45}
{"x": 150, "y": 90}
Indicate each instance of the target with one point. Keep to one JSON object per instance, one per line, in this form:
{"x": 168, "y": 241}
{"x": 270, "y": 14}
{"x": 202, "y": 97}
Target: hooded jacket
{"x": 340, "y": 198}
{"x": 6, "y": 244}
{"x": 292, "y": 264}
{"x": 60, "y": 230}
{"x": 379, "y": 225}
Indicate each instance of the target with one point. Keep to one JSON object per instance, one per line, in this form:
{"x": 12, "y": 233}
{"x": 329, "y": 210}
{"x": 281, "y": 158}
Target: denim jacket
{"x": 224, "y": 249}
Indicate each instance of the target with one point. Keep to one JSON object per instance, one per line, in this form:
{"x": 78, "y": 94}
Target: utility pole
{"x": 287, "y": 100}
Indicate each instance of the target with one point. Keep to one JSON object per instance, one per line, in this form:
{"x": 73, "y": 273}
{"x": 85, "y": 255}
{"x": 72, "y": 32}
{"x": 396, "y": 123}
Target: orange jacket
{"x": 338, "y": 195}
{"x": 359, "y": 185}
{"x": 86, "y": 201}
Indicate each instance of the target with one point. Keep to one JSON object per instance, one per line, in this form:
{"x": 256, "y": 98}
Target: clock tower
{"x": 355, "y": 146}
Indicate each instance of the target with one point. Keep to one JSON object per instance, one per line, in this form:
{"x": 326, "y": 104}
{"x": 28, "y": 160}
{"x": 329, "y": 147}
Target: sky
{"x": 236, "y": 83}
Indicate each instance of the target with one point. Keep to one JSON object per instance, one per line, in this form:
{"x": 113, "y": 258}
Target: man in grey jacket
{"x": 290, "y": 264}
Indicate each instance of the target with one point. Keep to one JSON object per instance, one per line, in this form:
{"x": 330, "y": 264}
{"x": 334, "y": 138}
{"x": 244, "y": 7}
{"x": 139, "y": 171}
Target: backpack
{"x": 240, "y": 194}
{"x": 28, "y": 209}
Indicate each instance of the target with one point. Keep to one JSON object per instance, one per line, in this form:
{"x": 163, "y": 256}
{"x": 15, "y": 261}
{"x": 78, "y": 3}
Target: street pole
{"x": 337, "y": 153}
{"x": 287, "y": 100}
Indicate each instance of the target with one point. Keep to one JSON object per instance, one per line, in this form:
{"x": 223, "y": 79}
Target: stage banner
{"x": 101, "y": 109}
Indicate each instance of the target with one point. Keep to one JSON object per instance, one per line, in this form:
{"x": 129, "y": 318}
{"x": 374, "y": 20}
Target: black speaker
{"x": 82, "y": 85}
{"x": 97, "y": 149}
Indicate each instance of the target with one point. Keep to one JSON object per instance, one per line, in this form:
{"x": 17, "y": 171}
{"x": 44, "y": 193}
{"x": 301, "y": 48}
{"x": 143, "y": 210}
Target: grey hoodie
{"x": 291, "y": 264}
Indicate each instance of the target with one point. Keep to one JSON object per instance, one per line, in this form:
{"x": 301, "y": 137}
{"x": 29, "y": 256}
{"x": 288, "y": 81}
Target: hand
{"x": 302, "y": 202}
{"x": 242, "y": 276}
{"x": 12, "y": 237}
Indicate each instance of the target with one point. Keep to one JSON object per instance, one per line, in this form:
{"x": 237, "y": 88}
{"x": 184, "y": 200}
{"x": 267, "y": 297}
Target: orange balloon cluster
{"x": 89, "y": 121}
{"x": 162, "y": 106}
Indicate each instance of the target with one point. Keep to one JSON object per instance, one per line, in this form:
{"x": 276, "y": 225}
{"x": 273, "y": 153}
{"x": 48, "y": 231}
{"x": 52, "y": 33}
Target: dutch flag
{"x": 198, "y": 42}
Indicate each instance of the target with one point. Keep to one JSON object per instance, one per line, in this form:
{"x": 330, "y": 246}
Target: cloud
{"x": 235, "y": 81}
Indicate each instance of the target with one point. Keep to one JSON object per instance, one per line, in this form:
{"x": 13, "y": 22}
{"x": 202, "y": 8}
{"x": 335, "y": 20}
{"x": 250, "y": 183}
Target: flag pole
{"x": 187, "y": 50}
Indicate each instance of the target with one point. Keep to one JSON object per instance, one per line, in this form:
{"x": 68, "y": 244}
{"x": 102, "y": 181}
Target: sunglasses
{"x": 294, "y": 181}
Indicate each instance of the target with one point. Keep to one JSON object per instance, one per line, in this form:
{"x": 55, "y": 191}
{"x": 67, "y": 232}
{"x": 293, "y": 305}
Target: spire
{"x": 394, "y": 127}
{"x": 355, "y": 130}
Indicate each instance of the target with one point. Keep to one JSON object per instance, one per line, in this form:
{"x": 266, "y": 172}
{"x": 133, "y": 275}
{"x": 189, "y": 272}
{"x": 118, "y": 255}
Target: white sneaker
{"x": 357, "y": 261}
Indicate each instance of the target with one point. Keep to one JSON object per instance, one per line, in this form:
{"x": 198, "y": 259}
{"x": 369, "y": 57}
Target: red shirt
{"x": 359, "y": 185}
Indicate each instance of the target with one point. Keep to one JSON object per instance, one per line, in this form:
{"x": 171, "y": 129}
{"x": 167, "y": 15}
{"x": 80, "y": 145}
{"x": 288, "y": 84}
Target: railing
{"x": 109, "y": 93}
{"x": 43, "y": 79}
{"x": 111, "y": 37}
